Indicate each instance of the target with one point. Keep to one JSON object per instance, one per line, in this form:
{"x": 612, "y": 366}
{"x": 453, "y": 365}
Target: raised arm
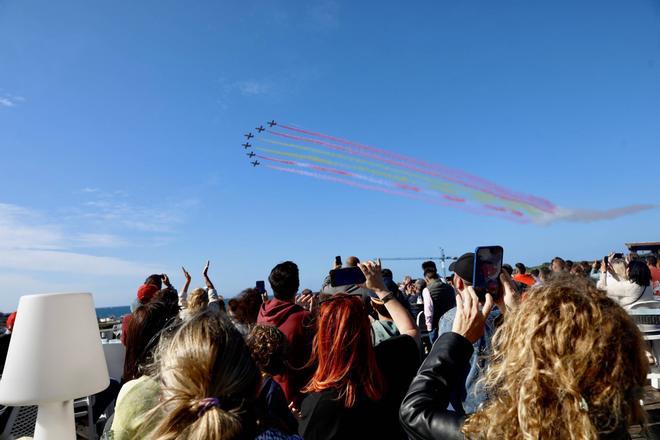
{"x": 423, "y": 413}
{"x": 205, "y": 275}
{"x": 213, "y": 294}
{"x": 398, "y": 312}
{"x": 602, "y": 280}
{"x": 183, "y": 294}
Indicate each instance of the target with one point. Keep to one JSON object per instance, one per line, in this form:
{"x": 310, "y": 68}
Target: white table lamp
{"x": 55, "y": 356}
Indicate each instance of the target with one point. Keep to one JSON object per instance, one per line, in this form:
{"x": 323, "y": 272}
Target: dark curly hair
{"x": 269, "y": 348}
{"x": 246, "y": 307}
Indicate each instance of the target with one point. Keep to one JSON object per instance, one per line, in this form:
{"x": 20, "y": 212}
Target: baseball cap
{"x": 146, "y": 292}
{"x": 430, "y": 264}
{"x": 464, "y": 266}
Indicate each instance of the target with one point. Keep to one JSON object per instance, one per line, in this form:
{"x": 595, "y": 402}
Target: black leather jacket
{"x": 424, "y": 414}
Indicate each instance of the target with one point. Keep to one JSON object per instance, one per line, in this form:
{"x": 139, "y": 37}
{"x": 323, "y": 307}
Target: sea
{"x": 117, "y": 312}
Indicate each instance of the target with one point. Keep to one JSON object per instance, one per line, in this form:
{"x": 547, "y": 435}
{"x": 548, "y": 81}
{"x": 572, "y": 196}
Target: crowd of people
{"x": 552, "y": 354}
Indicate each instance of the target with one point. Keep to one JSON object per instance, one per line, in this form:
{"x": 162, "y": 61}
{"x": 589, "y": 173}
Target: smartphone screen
{"x": 346, "y": 276}
{"x": 338, "y": 260}
{"x": 261, "y": 287}
{"x": 487, "y": 267}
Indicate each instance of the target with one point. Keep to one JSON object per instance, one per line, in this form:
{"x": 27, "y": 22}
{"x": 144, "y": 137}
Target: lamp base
{"x": 55, "y": 421}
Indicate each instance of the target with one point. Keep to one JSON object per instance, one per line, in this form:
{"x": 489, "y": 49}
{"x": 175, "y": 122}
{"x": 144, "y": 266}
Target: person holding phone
{"x": 584, "y": 382}
{"x": 351, "y": 262}
{"x": 628, "y": 283}
{"x": 357, "y": 388}
{"x": 467, "y": 394}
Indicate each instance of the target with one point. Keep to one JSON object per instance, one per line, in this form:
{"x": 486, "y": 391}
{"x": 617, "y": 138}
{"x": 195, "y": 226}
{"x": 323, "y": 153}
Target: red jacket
{"x": 296, "y": 324}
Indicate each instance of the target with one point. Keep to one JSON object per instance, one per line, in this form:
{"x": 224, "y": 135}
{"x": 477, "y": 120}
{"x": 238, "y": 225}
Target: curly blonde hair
{"x": 569, "y": 363}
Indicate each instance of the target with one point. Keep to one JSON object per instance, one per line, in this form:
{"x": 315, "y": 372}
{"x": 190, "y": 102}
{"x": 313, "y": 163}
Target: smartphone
{"x": 618, "y": 255}
{"x": 607, "y": 260}
{"x": 346, "y": 276}
{"x": 261, "y": 287}
{"x": 338, "y": 260}
{"x": 487, "y": 268}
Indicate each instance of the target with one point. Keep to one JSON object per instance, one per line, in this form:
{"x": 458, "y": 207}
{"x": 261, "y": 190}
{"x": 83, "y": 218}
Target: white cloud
{"x": 29, "y": 243}
{"x": 38, "y": 255}
{"x": 70, "y": 262}
{"x": 10, "y": 101}
{"x": 22, "y": 228}
{"x": 114, "y": 210}
{"x": 252, "y": 88}
{"x": 244, "y": 88}
{"x": 323, "y": 14}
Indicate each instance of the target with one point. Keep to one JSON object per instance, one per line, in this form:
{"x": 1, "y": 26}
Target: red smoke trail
{"x": 484, "y": 185}
{"x": 395, "y": 163}
{"x": 387, "y": 191}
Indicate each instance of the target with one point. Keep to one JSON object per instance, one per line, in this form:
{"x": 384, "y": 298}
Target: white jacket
{"x": 625, "y": 292}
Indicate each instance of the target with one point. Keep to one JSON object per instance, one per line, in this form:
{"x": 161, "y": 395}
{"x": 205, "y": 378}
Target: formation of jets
{"x": 249, "y": 136}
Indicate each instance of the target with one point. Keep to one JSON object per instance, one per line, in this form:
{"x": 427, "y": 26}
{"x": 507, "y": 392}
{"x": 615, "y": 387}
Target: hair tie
{"x": 206, "y": 404}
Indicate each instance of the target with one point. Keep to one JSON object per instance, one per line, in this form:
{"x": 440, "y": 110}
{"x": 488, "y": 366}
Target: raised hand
{"x": 508, "y": 299}
{"x": 186, "y": 274}
{"x": 372, "y": 273}
{"x": 205, "y": 274}
{"x": 471, "y": 317}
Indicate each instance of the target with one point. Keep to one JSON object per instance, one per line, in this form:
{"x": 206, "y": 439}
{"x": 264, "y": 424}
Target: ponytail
{"x": 208, "y": 382}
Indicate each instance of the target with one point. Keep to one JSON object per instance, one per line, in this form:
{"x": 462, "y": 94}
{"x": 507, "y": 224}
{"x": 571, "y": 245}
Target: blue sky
{"x": 121, "y": 124}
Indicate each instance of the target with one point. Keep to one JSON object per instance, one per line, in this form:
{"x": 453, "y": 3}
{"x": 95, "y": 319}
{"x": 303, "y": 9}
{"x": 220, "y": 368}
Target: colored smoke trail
{"x": 384, "y": 186}
{"x": 333, "y": 163}
{"x": 392, "y": 162}
{"x": 386, "y": 191}
{"x": 335, "y": 171}
{"x": 402, "y": 175}
{"x": 338, "y": 160}
{"x": 452, "y": 174}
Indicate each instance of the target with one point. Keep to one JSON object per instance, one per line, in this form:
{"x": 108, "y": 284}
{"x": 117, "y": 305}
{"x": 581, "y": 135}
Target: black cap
{"x": 429, "y": 265}
{"x": 464, "y": 266}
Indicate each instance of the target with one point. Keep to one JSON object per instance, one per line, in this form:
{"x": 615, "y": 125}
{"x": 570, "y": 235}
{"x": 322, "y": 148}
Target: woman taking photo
{"x": 626, "y": 283}
{"x": 356, "y": 390}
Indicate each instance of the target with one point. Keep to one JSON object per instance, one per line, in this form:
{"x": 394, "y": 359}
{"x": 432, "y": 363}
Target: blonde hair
{"x": 198, "y": 300}
{"x": 205, "y": 358}
{"x": 619, "y": 268}
{"x": 568, "y": 363}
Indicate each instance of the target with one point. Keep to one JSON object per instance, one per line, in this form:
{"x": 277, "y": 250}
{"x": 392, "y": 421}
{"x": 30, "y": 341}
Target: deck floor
{"x": 652, "y": 406}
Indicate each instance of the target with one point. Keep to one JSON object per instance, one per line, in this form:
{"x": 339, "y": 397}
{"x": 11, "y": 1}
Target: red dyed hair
{"x": 344, "y": 351}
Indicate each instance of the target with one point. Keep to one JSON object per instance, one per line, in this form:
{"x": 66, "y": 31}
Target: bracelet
{"x": 387, "y": 297}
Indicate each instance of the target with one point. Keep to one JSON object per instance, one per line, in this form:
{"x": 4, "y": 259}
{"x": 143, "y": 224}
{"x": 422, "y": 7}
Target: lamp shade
{"x": 55, "y": 353}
